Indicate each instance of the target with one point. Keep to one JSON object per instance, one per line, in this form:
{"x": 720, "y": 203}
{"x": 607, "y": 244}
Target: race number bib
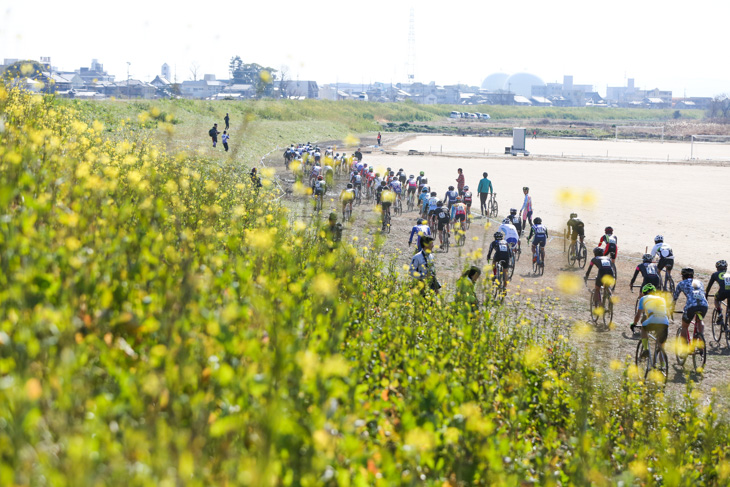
{"x": 605, "y": 263}
{"x": 502, "y": 246}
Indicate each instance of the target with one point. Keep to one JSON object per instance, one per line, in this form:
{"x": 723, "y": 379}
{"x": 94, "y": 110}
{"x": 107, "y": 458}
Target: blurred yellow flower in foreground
{"x": 569, "y": 283}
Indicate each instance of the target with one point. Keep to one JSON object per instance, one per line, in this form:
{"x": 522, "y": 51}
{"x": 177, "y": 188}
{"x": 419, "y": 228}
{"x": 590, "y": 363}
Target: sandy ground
{"x": 544, "y": 147}
{"x": 604, "y": 344}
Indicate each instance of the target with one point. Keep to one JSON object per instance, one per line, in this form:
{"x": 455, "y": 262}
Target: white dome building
{"x": 522, "y": 83}
{"x": 494, "y": 82}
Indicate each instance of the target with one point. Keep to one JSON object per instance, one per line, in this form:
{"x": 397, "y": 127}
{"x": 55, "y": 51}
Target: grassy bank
{"x": 161, "y": 324}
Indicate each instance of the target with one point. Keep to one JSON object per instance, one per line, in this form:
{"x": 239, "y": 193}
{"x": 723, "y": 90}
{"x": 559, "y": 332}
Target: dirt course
{"x": 619, "y": 191}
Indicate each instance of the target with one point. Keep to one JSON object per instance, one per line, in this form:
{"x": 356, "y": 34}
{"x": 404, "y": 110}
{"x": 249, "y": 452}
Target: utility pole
{"x": 128, "y": 92}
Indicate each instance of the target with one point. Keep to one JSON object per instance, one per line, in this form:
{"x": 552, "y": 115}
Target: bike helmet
{"x": 647, "y": 258}
{"x": 424, "y": 190}
{"x": 721, "y": 264}
{"x": 687, "y": 271}
{"x": 439, "y": 203}
{"x": 649, "y": 288}
{"x": 371, "y": 169}
{"x": 574, "y": 215}
{"x": 466, "y": 188}
{"x": 498, "y": 236}
{"x": 421, "y": 173}
{"x": 451, "y": 188}
{"x": 598, "y": 251}
{"x": 608, "y": 230}
{"x": 433, "y": 193}
{"x": 459, "y": 199}
{"x": 513, "y": 211}
{"x": 418, "y": 221}
{"x": 506, "y": 221}
{"x": 659, "y": 239}
{"x": 538, "y": 220}
{"x": 383, "y": 183}
{"x": 388, "y": 169}
{"x": 392, "y": 173}
{"x": 349, "y": 185}
{"x": 401, "y": 170}
{"x": 525, "y": 188}
{"x": 320, "y": 177}
{"x": 411, "y": 176}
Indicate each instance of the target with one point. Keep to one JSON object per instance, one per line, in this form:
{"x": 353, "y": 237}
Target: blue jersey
{"x": 655, "y": 309}
{"x": 695, "y": 292}
{"x": 395, "y": 184}
{"x": 432, "y": 203}
{"x": 451, "y": 196}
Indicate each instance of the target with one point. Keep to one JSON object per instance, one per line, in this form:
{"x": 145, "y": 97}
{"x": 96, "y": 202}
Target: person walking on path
{"x": 460, "y": 182}
{"x": 485, "y": 187}
{"x": 224, "y": 139}
{"x": 227, "y": 119}
{"x": 534, "y": 133}
{"x": 526, "y": 209}
{"x": 214, "y": 134}
{"x": 379, "y": 138}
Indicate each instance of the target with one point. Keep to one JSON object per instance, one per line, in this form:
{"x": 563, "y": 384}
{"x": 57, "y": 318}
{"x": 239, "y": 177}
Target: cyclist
{"x": 423, "y": 183}
{"x": 541, "y": 235}
{"x": 347, "y": 196}
{"x": 604, "y": 268}
{"x": 356, "y": 180}
{"x": 526, "y": 209}
{"x": 467, "y": 199}
{"x": 412, "y": 185}
{"x": 319, "y": 188}
{"x": 422, "y": 266}
{"x": 723, "y": 282}
{"x": 655, "y": 309}
{"x": 423, "y": 197}
{"x": 387, "y": 197}
{"x": 370, "y": 178}
{"x": 696, "y": 301}
{"x": 458, "y": 213}
{"x": 450, "y": 196}
{"x": 402, "y": 176}
{"x": 397, "y": 188}
{"x": 666, "y": 257}
{"x": 502, "y": 253}
{"x": 442, "y": 217}
{"x": 419, "y": 230}
{"x": 510, "y": 233}
{"x": 379, "y": 191}
{"x": 516, "y": 220}
{"x": 431, "y": 204}
{"x": 421, "y": 175}
{"x": 611, "y": 242}
{"x": 315, "y": 173}
{"x": 485, "y": 187}
{"x": 649, "y": 273}
{"x": 576, "y": 230}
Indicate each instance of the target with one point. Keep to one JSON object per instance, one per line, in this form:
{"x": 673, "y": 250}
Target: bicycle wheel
{"x": 540, "y": 265}
{"x": 669, "y": 286}
{"x": 607, "y": 307}
{"x": 534, "y": 264}
{"x": 641, "y": 363}
{"x": 467, "y": 222}
{"x": 518, "y": 252}
{"x": 348, "y": 213}
{"x": 680, "y": 348}
{"x": 716, "y": 327}
{"x": 725, "y": 330}
{"x": 596, "y": 311}
{"x": 497, "y": 282}
{"x": 494, "y": 210}
{"x": 511, "y": 266}
{"x": 699, "y": 354}
{"x": 582, "y": 256}
{"x": 571, "y": 255}
{"x": 661, "y": 363}
{"x": 446, "y": 240}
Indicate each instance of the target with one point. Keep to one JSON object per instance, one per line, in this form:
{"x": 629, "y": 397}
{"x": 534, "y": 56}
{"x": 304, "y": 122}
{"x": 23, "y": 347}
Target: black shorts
{"x": 442, "y": 224}
{"x": 431, "y": 213}
{"x": 412, "y": 190}
{"x": 660, "y": 331}
{"x": 459, "y": 218}
{"x": 599, "y": 277}
{"x": 722, "y": 294}
{"x": 667, "y": 262}
{"x": 654, "y": 280}
{"x": 574, "y": 236}
{"x": 690, "y": 313}
{"x": 611, "y": 251}
{"x": 502, "y": 257}
{"x": 385, "y": 206}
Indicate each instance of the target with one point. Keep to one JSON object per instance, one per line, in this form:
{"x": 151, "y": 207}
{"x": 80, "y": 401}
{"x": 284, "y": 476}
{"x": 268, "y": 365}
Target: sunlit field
{"x": 163, "y": 322}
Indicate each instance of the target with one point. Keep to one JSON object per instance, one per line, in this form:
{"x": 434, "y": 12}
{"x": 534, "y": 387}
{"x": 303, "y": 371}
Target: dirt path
{"x": 605, "y": 345}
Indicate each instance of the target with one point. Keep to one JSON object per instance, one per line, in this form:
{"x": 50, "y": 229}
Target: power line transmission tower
{"x": 411, "y": 64}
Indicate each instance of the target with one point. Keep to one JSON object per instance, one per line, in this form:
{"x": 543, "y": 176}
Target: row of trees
{"x": 260, "y": 77}
{"x": 719, "y": 107}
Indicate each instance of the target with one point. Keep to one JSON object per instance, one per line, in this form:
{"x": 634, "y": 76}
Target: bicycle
{"x": 386, "y": 221}
{"x": 655, "y": 361}
{"x": 411, "y": 201}
{"x": 358, "y": 195}
{"x": 605, "y": 308}
{"x": 467, "y": 222}
{"x": 577, "y": 253}
{"x": 499, "y": 285}
{"x": 697, "y": 347}
{"x": 347, "y": 214}
{"x": 445, "y": 239}
{"x": 721, "y": 326}
{"x": 538, "y": 265}
{"x": 667, "y": 282}
{"x": 512, "y": 262}
{"x": 492, "y": 206}
{"x": 319, "y": 197}
{"x": 460, "y": 234}
{"x": 398, "y": 206}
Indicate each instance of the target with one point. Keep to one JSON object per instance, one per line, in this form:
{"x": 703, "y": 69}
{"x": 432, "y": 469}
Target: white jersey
{"x": 509, "y": 231}
{"x": 663, "y": 249}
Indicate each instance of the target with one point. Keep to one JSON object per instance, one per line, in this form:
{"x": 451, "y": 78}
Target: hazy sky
{"x": 669, "y": 44}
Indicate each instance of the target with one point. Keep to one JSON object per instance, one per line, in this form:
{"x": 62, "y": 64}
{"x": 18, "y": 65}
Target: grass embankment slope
{"x": 161, "y": 325}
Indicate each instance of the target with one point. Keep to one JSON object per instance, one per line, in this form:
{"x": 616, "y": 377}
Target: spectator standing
{"x": 460, "y": 182}
{"x": 379, "y": 137}
{"x": 358, "y": 154}
{"x": 485, "y": 187}
{"x": 213, "y": 132}
{"x": 224, "y": 139}
{"x": 534, "y": 133}
{"x": 227, "y": 119}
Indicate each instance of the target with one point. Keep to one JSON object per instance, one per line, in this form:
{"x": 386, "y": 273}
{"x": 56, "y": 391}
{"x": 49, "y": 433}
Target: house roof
{"x": 521, "y": 99}
{"x": 655, "y": 100}
{"x": 541, "y": 99}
